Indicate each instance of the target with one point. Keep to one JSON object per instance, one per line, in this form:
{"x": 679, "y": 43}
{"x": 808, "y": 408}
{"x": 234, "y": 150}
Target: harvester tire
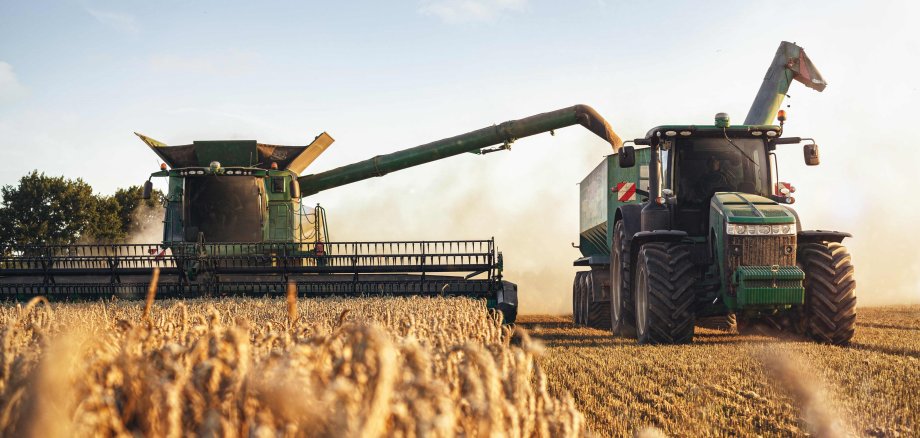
{"x": 598, "y": 304}
{"x": 830, "y": 292}
{"x": 663, "y": 294}
{"x": 622, "y": 320}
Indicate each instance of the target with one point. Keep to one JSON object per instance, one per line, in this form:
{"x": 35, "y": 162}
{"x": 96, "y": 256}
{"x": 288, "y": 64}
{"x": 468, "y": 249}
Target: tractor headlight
{"x": 759, "y": 230}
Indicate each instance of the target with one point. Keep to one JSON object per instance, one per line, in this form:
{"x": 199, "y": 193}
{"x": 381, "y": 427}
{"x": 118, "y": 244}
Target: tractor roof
{"x": 239, "y": 153}
{"x": 756, "y": 131}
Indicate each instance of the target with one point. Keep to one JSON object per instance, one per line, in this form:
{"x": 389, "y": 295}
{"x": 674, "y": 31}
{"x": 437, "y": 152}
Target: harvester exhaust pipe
{"x": 504, "y": 133}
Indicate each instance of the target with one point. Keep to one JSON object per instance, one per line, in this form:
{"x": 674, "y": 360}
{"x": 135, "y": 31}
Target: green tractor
{"x": 696, "y": 228}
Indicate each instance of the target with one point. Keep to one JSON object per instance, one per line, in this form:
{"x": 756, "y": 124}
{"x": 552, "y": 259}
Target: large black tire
{"x": 622, "y": 320}
{"x": 576, "y": 299}
{"x": 663, "y": 294}
{"x": 583, "y": 299}
{"x": 598, "y": 304}
{"x": 830, "y": 292}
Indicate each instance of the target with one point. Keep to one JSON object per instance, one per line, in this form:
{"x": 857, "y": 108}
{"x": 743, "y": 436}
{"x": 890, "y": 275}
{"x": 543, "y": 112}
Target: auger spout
{"x": 503, "y": 133}
{"x": 790, "y": 63}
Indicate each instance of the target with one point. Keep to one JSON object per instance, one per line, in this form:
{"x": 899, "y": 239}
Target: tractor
{"x": 695, "y": 228}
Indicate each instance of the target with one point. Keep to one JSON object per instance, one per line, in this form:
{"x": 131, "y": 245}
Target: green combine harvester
{"x": 235, "y": 224}
{"x": 695, "y": 228}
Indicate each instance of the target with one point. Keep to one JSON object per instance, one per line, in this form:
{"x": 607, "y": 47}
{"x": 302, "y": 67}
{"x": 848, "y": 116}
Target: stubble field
{"x": 432, "y": 367}
{"x": 727, "y": 384}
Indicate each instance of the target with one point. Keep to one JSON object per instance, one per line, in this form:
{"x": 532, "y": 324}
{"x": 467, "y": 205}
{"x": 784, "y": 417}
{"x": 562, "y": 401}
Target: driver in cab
{"x": 714, "y": 179}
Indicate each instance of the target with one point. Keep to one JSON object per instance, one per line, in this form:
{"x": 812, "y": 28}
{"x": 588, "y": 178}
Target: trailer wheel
{"x": 621, "y": 315}
{"x": 583, "y": 299}
{"x": 663, "y": 294}
{"x": 830, "y": 292}
{"x": 598, "y": 307}
{"x": 576, "y": 298}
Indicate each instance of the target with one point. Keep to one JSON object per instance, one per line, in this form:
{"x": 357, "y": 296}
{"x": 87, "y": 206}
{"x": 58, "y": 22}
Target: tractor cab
{"x": 699, "y": 161}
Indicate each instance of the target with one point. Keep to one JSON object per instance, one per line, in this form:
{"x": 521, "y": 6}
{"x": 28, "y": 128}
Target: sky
{"x": 78, "y": 77}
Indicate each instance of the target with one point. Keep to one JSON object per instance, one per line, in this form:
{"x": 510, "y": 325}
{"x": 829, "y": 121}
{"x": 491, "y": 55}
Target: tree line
{"x": 53, "y": 210}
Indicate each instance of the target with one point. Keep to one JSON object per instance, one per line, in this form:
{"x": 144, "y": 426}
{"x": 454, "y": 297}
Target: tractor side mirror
{"x": 811, "y": 154}
{"x": 627, "y": 156}
{"x": 148, "y": 189}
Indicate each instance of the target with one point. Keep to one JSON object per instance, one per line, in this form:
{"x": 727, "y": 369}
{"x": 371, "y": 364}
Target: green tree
{"x": 44, "y": 210}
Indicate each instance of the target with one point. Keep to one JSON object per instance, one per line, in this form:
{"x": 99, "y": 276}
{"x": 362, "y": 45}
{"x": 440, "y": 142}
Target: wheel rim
{"x": 641, "y": 302}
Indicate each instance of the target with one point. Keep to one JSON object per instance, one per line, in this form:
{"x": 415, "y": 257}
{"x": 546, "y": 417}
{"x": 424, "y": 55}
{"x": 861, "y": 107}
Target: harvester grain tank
{"x": 695, "y": 226}
{"x": 235, "y": 223}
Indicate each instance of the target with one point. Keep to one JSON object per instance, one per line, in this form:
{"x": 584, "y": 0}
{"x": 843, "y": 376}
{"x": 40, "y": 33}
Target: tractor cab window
{"x": 705, "y": 166}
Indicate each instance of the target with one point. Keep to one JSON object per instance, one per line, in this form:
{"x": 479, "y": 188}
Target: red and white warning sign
{"x": 626, "y": 191}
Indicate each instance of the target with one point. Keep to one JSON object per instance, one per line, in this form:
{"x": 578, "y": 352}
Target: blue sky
{"x": 76, "y": 78}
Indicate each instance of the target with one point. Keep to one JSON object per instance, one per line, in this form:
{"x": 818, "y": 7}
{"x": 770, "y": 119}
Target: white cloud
{"x": 10, "y": 88}
{"x": 466, "y": 11}
{"x": 119, "y": 21}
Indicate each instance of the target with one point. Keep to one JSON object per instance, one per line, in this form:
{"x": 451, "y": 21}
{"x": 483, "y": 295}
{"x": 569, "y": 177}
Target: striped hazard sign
{"x": 626, "y": 191}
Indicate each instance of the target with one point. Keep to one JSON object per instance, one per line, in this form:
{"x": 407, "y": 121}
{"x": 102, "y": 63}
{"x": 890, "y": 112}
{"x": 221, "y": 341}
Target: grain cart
{"x": 697, "y": 226}
{"x": 235, "y": 223}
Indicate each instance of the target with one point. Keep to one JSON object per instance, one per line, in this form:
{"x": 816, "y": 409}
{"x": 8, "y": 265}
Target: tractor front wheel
{"x": 663, "y": 294}
{"x": 830, "y": 292}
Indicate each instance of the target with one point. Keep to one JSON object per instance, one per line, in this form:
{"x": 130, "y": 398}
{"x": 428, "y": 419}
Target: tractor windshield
{"x": 704, "y": 166}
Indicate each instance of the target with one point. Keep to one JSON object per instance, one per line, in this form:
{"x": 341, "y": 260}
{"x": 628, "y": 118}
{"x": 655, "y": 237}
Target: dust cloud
{"x": 793, "y": 375}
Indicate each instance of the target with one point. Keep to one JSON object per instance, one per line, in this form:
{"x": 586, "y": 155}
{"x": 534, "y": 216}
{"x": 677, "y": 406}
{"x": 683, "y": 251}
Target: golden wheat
{"x": 263, "y": 367}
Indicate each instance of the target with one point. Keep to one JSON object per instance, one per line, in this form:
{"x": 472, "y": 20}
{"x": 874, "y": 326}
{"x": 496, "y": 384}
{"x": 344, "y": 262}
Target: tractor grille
{"x": 759, "y": 251}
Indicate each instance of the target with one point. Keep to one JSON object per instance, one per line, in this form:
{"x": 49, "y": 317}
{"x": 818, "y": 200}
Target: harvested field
{"x": 237, "y": 367}
{"x": 727, "y": 384}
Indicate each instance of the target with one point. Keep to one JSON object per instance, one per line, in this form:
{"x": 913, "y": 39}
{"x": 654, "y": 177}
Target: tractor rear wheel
{"x": 830, "y": 292}
{"x": 621, "y": 315}
{"x": 598, "y": 304}
{"x": 664, "y": 294}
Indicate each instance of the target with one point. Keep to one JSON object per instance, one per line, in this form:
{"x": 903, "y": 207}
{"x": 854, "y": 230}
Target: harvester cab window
{"x": 278, "y": 184}
{"x": 223, "y": 208}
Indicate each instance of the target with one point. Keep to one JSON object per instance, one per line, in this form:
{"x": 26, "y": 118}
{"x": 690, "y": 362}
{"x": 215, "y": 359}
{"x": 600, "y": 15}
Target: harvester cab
{"x": 703, "y": 232}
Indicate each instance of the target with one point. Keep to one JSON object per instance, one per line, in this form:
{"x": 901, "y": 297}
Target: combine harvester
{"x": 235, "y": 224}
{"x": 696, "y": 227}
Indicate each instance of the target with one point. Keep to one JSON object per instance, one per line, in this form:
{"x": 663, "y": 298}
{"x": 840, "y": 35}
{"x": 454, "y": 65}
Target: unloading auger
{"x": 235, "y": 224}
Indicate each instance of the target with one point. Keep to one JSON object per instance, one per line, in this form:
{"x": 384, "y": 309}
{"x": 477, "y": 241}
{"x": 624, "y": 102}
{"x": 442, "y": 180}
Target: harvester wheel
{"x": 598, "y": 304}
{"x": 621, "y": 315}
{"x": 663, "y": 294}
{"x": 830, "y": 292}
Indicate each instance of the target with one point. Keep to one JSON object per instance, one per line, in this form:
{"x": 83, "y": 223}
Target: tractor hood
{"x": 744, "y": 208}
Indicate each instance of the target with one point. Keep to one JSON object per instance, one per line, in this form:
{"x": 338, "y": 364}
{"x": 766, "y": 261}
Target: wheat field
{"x": 266, "y": 367}
{"x": 409, "y": 367}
